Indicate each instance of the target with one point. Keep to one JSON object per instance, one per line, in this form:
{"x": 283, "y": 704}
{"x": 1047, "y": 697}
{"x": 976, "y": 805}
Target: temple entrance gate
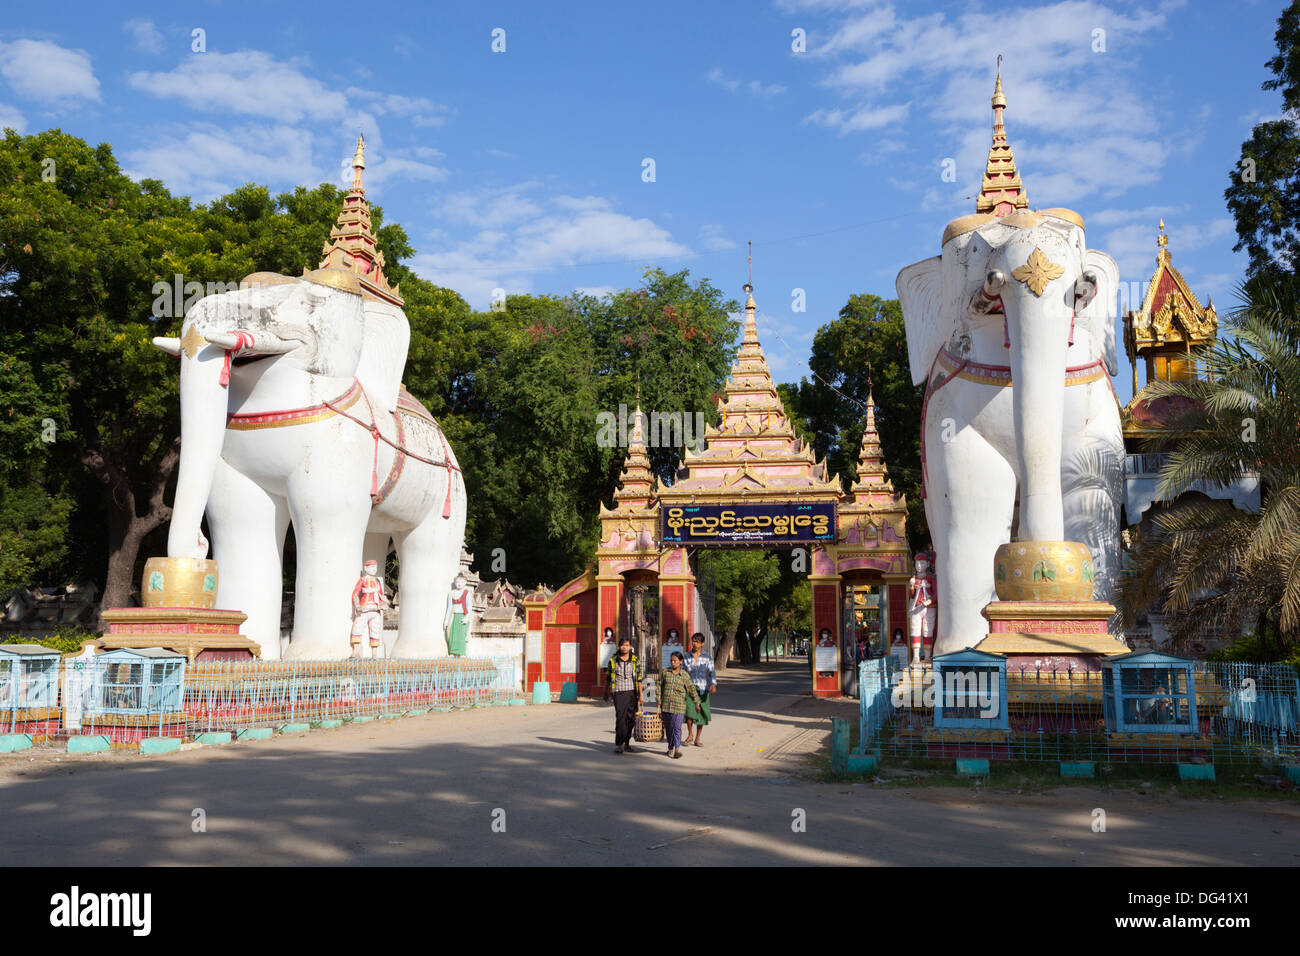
{"x": 752, "y": 483}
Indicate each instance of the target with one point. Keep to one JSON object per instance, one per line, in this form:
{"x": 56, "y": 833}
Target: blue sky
{"x": 523, "y": 169}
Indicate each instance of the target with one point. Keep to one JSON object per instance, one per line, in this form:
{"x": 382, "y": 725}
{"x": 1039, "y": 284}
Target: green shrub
{"x": 66, "y": 640}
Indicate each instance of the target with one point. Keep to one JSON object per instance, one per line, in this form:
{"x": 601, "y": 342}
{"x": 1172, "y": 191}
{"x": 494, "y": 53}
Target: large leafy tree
{"x": 525, "y": 388}
{"x": 1202, "y": 561}
{"x": 1263, "y": 194}
{"x": 867, "y": 342}
{"x": 743, "y": 582}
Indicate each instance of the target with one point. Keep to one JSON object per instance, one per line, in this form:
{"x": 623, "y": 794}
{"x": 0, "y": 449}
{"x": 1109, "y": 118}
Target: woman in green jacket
{"x": 675, "y": 686}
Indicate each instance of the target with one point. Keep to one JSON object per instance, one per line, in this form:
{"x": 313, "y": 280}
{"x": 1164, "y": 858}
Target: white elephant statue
{"x": 1012, "y": 328}
{"x": 292, "y": 411}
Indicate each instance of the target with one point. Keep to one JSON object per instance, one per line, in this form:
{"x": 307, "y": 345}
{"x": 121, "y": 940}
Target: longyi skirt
{"x": 700, "y": 715}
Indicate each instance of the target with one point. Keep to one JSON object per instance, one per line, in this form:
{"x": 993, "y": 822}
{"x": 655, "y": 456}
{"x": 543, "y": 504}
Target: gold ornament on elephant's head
{"x": 1037, "y": 272}
{"x": 192, "y": 341}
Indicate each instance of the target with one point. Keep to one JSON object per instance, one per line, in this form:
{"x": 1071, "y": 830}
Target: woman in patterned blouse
{"x": 675, "y": 686}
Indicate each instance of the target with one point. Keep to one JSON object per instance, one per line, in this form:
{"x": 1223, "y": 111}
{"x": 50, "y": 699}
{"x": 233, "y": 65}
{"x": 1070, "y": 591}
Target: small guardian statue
{"x": 922, "y": 610}
{"x": 456, "y": 621}
{"x": 368, "y": 603}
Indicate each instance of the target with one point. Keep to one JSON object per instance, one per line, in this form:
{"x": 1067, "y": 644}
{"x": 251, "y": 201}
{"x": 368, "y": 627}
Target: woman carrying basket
{"x": 675, "y": 687}
{"x": 625, "y": 684}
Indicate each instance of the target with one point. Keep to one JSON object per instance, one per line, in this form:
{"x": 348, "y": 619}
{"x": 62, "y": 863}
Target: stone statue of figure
{"x": 456, "y": 621}
{"x": 922, "y": 612}
{"x": 368, "y": 603}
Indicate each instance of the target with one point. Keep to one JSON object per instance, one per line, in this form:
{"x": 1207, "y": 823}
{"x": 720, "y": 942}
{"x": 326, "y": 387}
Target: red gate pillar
{"x": 610, "y": 590}
{"x": 826, "y": 617}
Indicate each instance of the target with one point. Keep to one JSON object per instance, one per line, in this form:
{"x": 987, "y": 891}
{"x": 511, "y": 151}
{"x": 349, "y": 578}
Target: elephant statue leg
{"x": 970, "y": 498}
{"x": 428, "y": 564}
{"x": 247, "y": 526}
{"x": 329, "y": 527}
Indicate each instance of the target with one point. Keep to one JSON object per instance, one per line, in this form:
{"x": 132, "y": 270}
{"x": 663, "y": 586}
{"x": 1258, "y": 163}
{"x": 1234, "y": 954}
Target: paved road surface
{"x": 423, "y": 790}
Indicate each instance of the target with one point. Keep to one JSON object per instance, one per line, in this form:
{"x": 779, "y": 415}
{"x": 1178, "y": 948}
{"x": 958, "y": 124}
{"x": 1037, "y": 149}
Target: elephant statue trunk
{"x": 1038, "y": 328}
{"x": 203, "y": 424}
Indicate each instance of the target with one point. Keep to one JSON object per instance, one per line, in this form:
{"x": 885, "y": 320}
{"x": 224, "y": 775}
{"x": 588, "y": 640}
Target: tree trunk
{"x": 723, "y": 655}
{"x": 126, "y": 528}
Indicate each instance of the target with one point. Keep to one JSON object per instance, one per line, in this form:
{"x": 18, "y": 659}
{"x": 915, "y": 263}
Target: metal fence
{"x": 98, "y": 697}
{"x": 1247, "y": 714}
{"x": 228, "y": 695}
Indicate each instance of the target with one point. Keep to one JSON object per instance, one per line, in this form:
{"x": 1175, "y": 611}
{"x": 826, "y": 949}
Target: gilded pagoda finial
{"x": 1001, "y": 191}
{"x": 353, "y": 246}
{"x": 359, "y": 163}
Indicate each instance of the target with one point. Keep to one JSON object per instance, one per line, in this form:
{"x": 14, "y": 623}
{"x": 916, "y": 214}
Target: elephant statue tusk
{"x": 169, "y": 344}
{"x": 1085, "y": 289}
{"x": 988, "y": 300}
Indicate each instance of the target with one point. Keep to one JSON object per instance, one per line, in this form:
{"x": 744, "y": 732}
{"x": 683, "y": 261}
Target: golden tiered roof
{"x": 873, "y": 474}
{"x": 1171, "y": 323}
{"x": 634, "y": 515}
{"x": 753, "y": 450}
{"x": 1002, "y": 195}
{"x": 1001, "y": 191}
{"x": 871, "y": 503}
{"x": 1170, "y": 313}
{"x": 352, "y": 246}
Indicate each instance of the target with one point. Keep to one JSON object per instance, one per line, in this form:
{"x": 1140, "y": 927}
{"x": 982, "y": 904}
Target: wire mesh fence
{"x": 226, "y": 695}
{"x": 128, "y": 698}
{"x": 1245, "y": 713}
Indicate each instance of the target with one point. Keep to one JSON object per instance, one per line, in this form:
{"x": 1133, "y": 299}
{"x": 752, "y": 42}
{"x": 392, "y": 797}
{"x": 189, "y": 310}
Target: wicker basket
{"x": 649, "y": 726}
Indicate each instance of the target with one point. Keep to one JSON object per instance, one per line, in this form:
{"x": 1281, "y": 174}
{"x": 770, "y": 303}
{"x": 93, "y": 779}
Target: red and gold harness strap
{"x": 296, "y": 416}
{"x": 947, "y": 367}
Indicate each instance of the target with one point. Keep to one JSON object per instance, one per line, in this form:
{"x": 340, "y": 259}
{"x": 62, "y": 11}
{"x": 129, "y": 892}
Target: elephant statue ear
{"x": 383, "y": 351}
{"x": 1099, "y": 315}
{"x": 928, "y": 325}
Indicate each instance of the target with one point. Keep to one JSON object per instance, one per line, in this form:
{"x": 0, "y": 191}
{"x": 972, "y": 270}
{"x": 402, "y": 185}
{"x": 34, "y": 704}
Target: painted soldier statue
{"x": 456, "y": 621}
{"x": 922, "y": 609}
{"x": 368, "y": 603}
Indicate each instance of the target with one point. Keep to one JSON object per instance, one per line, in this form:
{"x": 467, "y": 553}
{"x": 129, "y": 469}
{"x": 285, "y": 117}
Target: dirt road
{"x": 541, "y": 785}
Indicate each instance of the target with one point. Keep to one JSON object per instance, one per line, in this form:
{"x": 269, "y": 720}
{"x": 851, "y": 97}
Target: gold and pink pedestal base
{"x": 1044, "y": 619}
{"x": 201, "y": 634}
{"x": 178, "y": 614}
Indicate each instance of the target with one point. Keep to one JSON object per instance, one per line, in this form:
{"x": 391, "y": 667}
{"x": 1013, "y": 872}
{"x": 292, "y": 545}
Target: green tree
{"x": 741, "y": 580}
{"x": 866, "y": 343}
{"x": 522, "y": 391}
{"x": 1203, "y": 561}
{"x": 1263, "y": 194}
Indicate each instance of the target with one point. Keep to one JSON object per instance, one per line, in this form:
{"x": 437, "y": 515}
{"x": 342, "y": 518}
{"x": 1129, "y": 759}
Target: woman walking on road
{"x": 700, "y": 667}
{"x": 675, "y": 686}
{"x": 625, "y": 684}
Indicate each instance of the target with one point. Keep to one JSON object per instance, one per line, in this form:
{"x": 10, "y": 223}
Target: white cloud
{"x": 858, "y": 119}
{"x": 249, "y": 82}
{"x": 210, "y": 160}
{"x": 1081, "y": 123}
{"x": 521, "y": 236}
{"x": 419, "y": 110}
{"x": 712, "y": 239}
{"x": 718, "y": 78}
{"x": 48, "y": 73}
{"x": 10, "y": 118}
{"x": 147, "y": 37}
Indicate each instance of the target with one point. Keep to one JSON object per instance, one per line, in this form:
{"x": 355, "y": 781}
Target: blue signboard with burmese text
{"x": 766, "y": 523}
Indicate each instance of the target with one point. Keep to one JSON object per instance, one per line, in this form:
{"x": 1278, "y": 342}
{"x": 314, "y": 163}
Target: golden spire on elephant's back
{"x": 1001, "y": 191}
{"x": 352, "y": 246}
